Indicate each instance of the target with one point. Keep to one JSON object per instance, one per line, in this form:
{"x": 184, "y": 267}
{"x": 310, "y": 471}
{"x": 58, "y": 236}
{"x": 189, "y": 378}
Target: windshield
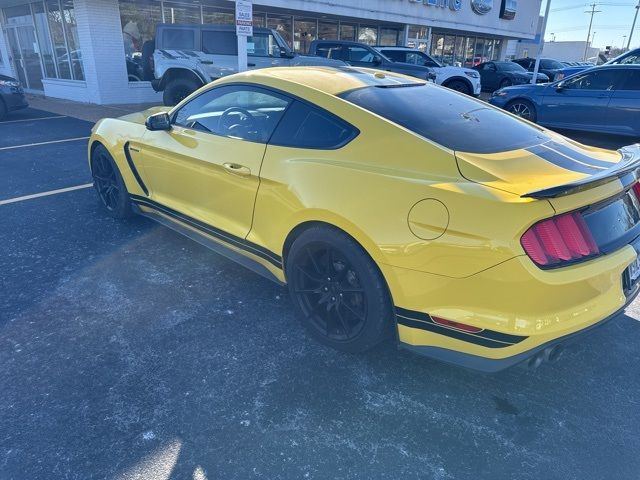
{"x": 551, "y": 64}
{"x": 447, "y": 118}
{"x": 282, "y": 43}
{"x": 510, "y": 67}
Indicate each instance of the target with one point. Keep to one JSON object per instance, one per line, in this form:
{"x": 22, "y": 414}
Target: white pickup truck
{"x": 187, "y": 57}
{"x": 460, "y": 79}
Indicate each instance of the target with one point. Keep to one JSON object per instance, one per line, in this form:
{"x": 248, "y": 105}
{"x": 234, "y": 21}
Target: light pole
{"x": 541, "y": 46}
{"x": 624, "y": 38}
{"x": 633, "y": 26}
{"x": 593, "y": 11}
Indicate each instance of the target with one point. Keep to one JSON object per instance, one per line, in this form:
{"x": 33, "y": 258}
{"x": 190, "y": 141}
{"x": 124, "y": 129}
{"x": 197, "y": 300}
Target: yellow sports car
{"x": 391, "y": 207}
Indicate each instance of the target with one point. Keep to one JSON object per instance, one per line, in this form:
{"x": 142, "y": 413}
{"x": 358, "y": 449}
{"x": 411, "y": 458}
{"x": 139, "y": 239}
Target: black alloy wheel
{"x": 330, "y": 293}
{"x": 109, "y": 184}
{"x": 338, "y": 290}
{"x": 459, "y": 86}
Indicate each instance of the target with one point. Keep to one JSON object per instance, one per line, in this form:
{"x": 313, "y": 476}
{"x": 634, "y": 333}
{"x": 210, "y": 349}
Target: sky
{"x": 568, "y": 21}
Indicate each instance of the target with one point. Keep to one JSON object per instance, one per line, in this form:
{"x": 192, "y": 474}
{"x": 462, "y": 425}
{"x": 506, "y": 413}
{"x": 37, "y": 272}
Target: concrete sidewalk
{"x": 84, "y": 111}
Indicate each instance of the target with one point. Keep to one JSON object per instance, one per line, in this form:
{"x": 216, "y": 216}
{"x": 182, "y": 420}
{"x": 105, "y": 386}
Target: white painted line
{"x": 44, "y": 194}
{"x": 33, "y": 119}
{"x": 44, "y": 143}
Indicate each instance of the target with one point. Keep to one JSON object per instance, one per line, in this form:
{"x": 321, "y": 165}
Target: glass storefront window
{"x": 259, "y": 19}
{"x": 305, "y": 31}
{"x": 139, "y": 20}
{"x": 283, "y": 24}
{"x": 447, "y": 49}
{"x": 418, "y": 32}
{"x": 71, "y": 30}
{"x": 58, "y": 38}
{"x": 368, "y": 34}
{"x": 347, "y": 31}
{"x": 217, "y": 16}
{"x": 389, "y": 36}
{"x": 437, "y": 45}
{"x": 458, "y": 57}
{"x": 327, "y": 30}
{"x": 44, "y": 41}
{"x": 181, "y": 13}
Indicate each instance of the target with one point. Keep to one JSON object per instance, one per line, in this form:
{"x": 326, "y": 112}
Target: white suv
{"x": 187, "y": 57}
{"x": 460, "y": 79}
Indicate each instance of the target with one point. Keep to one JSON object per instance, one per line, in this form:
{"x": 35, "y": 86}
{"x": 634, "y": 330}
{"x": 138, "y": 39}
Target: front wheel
{"x": 523, "y": 109}
{"x": 459, "y": 86}
{"x": 338, "y": 290}
{"x": 178, "y": 89}
{"x": 109, "y": 184}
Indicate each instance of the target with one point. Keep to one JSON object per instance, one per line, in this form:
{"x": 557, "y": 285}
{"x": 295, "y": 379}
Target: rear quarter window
{"x": 179, "y": 39}
{"x": 304, "y": 126}
{"x": 447, "y": 118}
{"x": 219, "y": 43}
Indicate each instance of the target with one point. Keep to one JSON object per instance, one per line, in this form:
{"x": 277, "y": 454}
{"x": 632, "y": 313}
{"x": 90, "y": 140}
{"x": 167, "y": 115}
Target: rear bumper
{"x": 492, "y": 365}
{"x": 518, "y": 309}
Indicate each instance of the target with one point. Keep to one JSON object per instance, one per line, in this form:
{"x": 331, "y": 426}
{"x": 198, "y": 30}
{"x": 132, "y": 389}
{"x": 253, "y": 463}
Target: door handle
{"x": 251, "y": 64}
{"x": 206, "y": 62}
{"x": 237, "y": 169}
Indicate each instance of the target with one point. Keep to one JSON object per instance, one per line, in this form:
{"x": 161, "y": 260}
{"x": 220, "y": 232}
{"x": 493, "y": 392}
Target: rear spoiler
{"x": 626, "y": 170}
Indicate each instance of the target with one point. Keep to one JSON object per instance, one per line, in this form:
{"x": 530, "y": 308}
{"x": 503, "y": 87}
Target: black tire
{"x": 178, "y": 89}
{"x": 505, "y": 83}
{"x": 459, "y": 86}
{"x": 109, "y": 184}
{"x": 338, "y": 290}
{"x": 523, "y": 109}
{"x": 3, "y": 110}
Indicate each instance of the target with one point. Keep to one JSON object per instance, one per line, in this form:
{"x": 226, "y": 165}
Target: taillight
{"x": 561, "y": 239}
{"x": 636, "y": 190}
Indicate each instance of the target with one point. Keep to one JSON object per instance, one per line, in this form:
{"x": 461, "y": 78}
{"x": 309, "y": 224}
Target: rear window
{"x": 178, "y": 39}
{"x": 447, "y": 118}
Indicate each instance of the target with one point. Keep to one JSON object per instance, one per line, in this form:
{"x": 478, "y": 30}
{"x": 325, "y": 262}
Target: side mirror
{"x": 284, "y": 53}
{"x": 377, "y": 60}
{"x": 158, "y": 121}
{"x": 560, "y": 87}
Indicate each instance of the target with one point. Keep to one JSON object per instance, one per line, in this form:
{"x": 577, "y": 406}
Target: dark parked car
{"x": 494, "y": 75}
{"x": 11, "y": 96}
{"x": 361, "y": 55}
{"x": 604, "y": 99}
{"x": 548, "y": 66}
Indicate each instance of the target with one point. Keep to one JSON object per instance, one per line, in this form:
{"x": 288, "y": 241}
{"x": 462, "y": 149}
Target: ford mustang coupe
{"x": 391, "y": 207}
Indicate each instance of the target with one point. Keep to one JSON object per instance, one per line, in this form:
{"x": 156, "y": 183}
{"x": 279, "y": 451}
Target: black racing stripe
{"x": 134, "y": 170}
{"x": 485, "y": 338}
{"x": 239, "y": 242}
{"x": 167, "y": 54}
{"x": 562, "y": 161}
{"x": 577, "y": 155}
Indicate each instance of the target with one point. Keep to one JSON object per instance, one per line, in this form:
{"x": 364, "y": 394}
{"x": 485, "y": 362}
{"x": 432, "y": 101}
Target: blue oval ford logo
{"x": 481, "y": 7}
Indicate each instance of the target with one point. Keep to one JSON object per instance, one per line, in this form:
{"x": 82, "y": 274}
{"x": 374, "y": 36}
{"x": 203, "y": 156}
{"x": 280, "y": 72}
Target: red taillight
{"x": 457, "y": 325}
{"x": 636, "y": 190}
{"x": 560, "y": 239}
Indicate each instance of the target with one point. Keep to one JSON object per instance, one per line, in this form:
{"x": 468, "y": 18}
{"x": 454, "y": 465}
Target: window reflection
{"x": 305, "y": 31}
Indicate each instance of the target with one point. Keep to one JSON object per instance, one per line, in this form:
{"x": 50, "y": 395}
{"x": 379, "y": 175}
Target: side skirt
{"x": 211, "y": 244}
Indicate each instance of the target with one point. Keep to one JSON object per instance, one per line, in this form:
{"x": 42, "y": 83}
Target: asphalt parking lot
{"x": 129, "y": 352}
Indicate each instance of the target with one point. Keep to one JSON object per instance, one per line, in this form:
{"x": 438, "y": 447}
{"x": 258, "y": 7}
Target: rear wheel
{"x": 178, "y": 89}
{"x": 459, "y": 86}
{"x": 523, "y": 109}
{"x": 109, "y": 184}
{"x": 340, "y": 294}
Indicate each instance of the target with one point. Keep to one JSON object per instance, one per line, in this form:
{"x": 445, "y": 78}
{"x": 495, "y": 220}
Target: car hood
{"x": 6, "y": 78}
{"x": 555, "y": 165}
{"x": 141, "y": 117}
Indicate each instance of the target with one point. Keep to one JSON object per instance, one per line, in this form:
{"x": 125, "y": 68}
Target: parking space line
{"x": 43, "y": 143}
{"x": 33, "y": 119}
{"x": 44, "y": 194}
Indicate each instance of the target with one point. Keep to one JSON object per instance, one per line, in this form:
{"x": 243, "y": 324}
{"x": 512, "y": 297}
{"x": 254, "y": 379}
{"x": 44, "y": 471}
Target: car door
{"x": 263, "y": 51}
{"x": 207, "y": 165}
{"x": 624, "y": 107}
{"x": 359, "y": 56}
{"x": 581, "y": 102}
{"x": 488, "y": 76}
{"x": 219, "y": 52}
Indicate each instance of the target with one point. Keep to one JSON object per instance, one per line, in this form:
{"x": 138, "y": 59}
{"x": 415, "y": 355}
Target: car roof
{"x": 331, "y": 80}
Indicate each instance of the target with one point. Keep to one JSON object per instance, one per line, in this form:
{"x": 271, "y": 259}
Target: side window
{"x": 179, "y": 39}
{"x": 235, "y": 111}
{"x": 262, "y": 45}
{"x": 304, "y": 126}
{"x": 429, "y": 62}
{"x": 219, "y": 43}
{"x": 359, "y": 54}
{"x": 630, "y": 60}
{"x": 631, "y": 81}
{"x": 598, "y": 80}
{"x": 398, "y": 56}
{"x": 489, "y": 67}
{"x": 329, "y": 50}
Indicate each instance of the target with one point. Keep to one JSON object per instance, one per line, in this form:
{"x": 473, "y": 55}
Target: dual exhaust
{"x": 549, "y": 354}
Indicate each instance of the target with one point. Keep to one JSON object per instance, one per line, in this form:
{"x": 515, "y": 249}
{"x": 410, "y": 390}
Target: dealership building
{"x": 84, "y": 49}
